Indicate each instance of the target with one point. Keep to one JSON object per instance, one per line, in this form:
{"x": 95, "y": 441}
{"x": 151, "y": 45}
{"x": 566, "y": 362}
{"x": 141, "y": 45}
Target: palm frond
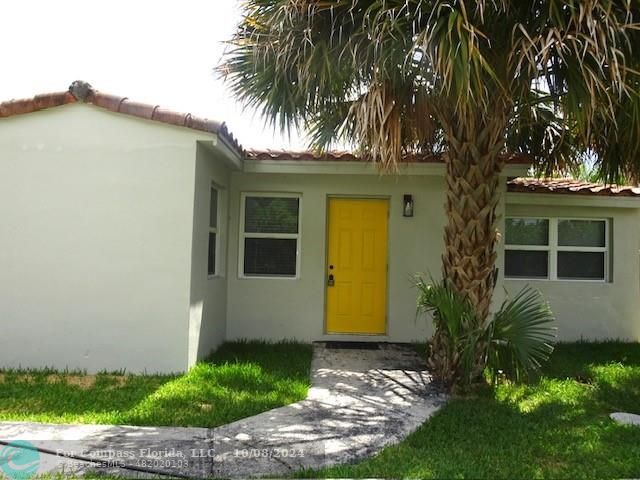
{"x": 405, "y": 67}
{"x": 521, "y": 336}
{"x": 616, "y": 144}
{"x": 450, "y": 311}
{"x": 539, "y": 130}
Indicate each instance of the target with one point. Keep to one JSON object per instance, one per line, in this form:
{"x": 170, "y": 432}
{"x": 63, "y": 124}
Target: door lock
{"x": 331, "y": 281}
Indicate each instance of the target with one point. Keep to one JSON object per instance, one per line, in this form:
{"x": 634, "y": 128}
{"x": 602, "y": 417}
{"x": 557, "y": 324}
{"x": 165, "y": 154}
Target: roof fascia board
{"x": 220, "y": 148}
{"x": 230, "y": 153}
{"x": 353, "y": 168}
{"x": 571, "y": 199}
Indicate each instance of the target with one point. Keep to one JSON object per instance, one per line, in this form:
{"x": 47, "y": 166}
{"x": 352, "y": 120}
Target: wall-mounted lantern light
{"x": 407, "y": 206}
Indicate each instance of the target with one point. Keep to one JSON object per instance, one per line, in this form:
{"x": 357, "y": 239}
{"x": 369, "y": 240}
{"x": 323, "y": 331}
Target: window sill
{"x": 265, "y": 277}
{"x": 557, "y": 280}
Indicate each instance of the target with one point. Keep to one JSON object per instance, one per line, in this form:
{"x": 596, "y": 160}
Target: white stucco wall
{"x": 95, "y": 244}
{"x": 294, "y": 308}
{"x": 104, "y": 237}
{"x": 593, "y": 310}
{"x": 208, "y": 306}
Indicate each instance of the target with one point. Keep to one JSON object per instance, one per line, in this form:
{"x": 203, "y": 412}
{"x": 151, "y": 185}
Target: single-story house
{"x": 138, "y": 238}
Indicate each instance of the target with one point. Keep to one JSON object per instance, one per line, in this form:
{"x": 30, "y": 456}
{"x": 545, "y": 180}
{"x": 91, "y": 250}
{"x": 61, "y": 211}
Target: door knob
{"x": 331, "y": 281}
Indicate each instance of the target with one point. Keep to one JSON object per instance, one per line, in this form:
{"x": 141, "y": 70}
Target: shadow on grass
{"x": 486, "y": 438}
{"x": 574, "y": 360}
{"x": 239, "y": 380}
{"x": 556, "y": 427}
{"x": 617, "y": 387}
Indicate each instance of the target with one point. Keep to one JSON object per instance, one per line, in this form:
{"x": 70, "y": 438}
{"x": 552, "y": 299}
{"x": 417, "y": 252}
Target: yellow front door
{"x": 357, "y": 266}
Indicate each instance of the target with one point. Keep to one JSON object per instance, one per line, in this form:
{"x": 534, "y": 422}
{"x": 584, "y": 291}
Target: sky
{"x": 159, "y": 52}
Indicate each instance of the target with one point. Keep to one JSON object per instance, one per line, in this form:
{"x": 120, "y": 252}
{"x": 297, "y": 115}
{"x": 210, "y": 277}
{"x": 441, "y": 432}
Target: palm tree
{"x": 471, "y": 81}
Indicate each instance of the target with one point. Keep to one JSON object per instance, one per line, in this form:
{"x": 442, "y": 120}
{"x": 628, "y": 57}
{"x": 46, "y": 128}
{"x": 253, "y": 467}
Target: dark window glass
{"x": 581, "y": 233}
{"x": 211, "y": 263}
{"x": 526, "y": 264}
{"x": 581, "y": 265}
{"x": 270, "y": 256}
{"x": 271, "y": 215}
{"x": 213, "y": 209}
{"x": 527, "y": 231}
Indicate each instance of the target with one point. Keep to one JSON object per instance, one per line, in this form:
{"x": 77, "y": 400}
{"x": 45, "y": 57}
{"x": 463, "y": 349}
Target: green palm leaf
{"x": 521, "y": 335}
{"x": 476, "y": 81}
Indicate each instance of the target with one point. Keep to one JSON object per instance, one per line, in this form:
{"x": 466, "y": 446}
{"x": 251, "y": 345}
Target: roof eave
{"x": 357, "y": 167}
{"x": 82, "y": 92}
{"x": 571, "y": 200}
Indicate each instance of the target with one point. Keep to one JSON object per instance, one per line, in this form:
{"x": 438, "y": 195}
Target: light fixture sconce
{"x": 407, "y": 206}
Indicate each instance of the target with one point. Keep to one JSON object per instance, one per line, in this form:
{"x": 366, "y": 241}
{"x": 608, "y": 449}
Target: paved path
{"x": 360, "y": 401}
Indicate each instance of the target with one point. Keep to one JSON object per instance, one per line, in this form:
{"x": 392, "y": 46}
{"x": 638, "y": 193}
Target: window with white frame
{"x": 270, "y": 235}
{"x": 213, "y": 233}
{"x": 557, "y": 248}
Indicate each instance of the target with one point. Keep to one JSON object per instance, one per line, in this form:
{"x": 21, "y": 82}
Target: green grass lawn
{"x": 238, "y": 380}
{"x": 556, "y": 427}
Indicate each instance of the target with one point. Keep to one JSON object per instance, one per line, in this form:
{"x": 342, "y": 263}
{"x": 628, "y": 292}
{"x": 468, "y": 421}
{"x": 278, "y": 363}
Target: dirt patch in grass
{"x": 87, "y": 382}
{"x": 239, "y": 380}
{"x": 84, "y": 382}
{"x": 117, "y": 381}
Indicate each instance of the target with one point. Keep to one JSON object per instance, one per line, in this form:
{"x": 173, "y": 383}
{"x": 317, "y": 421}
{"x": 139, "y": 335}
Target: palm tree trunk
{"x": 473, "y": 167}
{"x": 473, "y": 193}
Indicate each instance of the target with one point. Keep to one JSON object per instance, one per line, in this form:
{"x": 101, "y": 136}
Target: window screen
{"x": 582, "y": 249}
{"x": 556, "y": 248}
{"x": 527, "y": 231}
{"x": 271, "y": 215}
{"x": 270, "y": 235}
{"x": 213, "y": 232}
{"x": 526, "y": 264}
{"x": 581, "y": 265}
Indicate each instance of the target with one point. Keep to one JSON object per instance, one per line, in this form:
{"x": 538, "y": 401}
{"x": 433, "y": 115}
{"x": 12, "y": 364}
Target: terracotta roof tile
{"x": 83, "y": 92}
{"x": 305, "y": 155}
{"x": 569, "y": 186}
{"x": 39, "y": 102}
{"x": 345, "y": 156}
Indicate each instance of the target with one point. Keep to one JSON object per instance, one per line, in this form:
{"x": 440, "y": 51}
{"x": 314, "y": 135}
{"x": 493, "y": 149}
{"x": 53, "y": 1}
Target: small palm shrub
{"x": 521, "y": 335}
{"x": 514, "y": 342}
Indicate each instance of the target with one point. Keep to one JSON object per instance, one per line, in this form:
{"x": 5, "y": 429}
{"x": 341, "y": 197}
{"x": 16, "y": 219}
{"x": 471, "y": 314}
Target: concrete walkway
{"x": 360, "y": 401}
